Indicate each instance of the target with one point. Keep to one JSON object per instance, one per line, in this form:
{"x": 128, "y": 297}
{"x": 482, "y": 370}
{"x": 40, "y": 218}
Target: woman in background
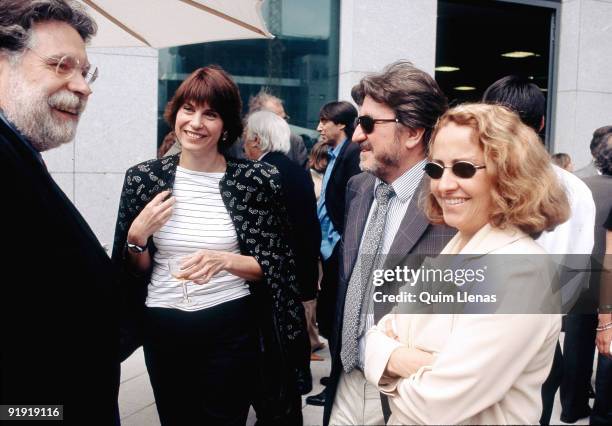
{"x": 317, "y": 163}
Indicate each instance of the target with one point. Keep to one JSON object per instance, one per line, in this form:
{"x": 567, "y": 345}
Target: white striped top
{"x": 199, "y": 221}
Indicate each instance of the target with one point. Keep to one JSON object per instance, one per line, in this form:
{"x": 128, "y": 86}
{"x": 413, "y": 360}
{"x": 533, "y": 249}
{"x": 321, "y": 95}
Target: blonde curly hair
{"x": 526, "y": 192}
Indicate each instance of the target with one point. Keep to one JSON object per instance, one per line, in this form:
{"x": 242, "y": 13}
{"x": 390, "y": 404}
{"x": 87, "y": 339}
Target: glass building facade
{"x": 300, "y": 65}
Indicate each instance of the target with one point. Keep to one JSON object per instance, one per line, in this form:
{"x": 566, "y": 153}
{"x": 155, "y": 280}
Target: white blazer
{"x": 488, "y": 369}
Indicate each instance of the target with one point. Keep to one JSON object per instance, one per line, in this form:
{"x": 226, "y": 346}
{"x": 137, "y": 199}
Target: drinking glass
{"x": 174, "y": 263}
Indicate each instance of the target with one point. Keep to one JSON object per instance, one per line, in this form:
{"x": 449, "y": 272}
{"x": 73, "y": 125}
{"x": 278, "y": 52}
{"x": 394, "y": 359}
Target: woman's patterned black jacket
{"x": 252, "y": 195}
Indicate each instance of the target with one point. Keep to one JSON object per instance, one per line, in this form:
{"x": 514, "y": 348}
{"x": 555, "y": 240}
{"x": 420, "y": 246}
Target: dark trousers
{"x": 602, "y": 409}
{"x": 293, "y": 416}
{"x": 202, "y": 364}
{"x": 578, "y": 352}
{"x": 550, "y": 386}
{"x": 326, "y": 301}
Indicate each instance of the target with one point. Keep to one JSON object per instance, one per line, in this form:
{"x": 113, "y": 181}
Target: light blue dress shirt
{"x": 330, "y": 236}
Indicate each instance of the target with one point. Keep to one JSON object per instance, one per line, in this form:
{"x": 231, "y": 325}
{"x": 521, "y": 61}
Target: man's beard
{"x": 29, "y": 108}
{"x": 382, "y": 163}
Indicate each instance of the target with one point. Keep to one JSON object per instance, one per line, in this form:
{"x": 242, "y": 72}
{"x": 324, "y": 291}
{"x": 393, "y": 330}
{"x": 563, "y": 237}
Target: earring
{"x": 224, "y": 136}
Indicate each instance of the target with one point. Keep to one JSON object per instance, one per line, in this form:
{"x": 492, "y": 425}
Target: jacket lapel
{"x": 356, "y": 221}
{"x": 163, "y": 174}
{"x": 413, "y": 226}
{"x": 337, "y": 164}
{"x": 487, "y": 240}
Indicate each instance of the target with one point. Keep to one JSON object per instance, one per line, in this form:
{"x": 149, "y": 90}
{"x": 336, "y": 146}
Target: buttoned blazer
{"x": 252, "y": 194}
{"x": 58, "y": 302}
{"x": 345, "y": 167}
{"x": 416, "y": 238}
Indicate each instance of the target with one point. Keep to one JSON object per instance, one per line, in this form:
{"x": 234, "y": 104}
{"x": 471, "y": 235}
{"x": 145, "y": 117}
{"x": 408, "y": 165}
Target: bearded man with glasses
{"x": 58, "y": 297}
{"x": 398, "y": 109}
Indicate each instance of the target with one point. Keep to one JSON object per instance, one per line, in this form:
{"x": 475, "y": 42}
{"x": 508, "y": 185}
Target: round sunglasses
{"x": 461, "y": 169}
{"x": 367, "y": 123}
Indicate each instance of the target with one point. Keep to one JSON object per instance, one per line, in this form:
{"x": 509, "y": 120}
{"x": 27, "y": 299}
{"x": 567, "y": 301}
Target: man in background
{"x": 581, "y": 326}
{"x": 336, "y": 126}
{"x": 591, "y": 169}
{"x": 265, "y": 101}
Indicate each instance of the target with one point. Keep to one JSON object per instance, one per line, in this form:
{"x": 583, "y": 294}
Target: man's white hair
{"x": 273, "y": 132}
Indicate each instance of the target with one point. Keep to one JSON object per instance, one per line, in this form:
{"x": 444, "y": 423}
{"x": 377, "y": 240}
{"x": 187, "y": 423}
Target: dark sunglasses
{"x": 367, "y": 123}
{"x": 461, "y": 169}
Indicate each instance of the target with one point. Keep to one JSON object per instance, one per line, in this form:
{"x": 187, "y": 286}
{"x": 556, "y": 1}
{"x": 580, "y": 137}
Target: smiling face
{"x": 466, "y": 202}
{"x": 198, "y": 128}
{"x": 44, "y": 106}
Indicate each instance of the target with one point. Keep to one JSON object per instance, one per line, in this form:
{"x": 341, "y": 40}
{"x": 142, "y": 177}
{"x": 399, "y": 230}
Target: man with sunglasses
{"x": 58, "y": 317}
{"x": 398, "y": 109}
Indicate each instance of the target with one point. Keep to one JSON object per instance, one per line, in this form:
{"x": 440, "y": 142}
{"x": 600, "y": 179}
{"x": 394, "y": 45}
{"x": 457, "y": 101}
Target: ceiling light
{"x": 518, "y": 54}
{"x": 446, "y": 68}
{"x": 464, "y": 88}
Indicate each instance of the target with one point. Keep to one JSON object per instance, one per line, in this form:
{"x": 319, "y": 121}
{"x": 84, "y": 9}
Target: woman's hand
{"x": 151, "y": 218}
{"x": 404, "y": 361}
{"x": 603, "y": 338}
{"x": 205, "y": 264}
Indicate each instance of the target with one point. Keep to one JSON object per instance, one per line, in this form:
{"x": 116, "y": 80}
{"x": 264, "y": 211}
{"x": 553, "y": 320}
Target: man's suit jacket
{"x": 305, "y": 235}
{"x": 345, "y": 167}
{"x": 415, "y": 236}
{"x": 58, "y": 315}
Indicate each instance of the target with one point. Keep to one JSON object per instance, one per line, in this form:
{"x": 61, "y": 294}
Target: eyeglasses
{"x": 461, "y": 169}
{"x": 367, "y": 123}
{"x": 66, "y": 66}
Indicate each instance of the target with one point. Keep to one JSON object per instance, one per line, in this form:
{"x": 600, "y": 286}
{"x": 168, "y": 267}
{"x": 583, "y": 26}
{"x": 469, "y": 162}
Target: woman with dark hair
{"x": 317, "y": 163}
{"x": 224, "y": 320}
{"x": 475, "y": 365}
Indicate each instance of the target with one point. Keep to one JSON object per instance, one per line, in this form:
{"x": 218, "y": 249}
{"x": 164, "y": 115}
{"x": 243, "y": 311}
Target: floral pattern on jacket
{"x": 251, "y": 192}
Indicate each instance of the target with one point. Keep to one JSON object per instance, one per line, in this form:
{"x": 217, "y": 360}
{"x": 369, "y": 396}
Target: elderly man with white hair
{"x": 266, "y": 138}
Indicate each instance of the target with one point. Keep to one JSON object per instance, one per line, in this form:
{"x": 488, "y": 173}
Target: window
{"x": 300, "y": 66}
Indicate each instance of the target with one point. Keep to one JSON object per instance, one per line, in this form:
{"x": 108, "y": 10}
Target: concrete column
{"x": 584, "y": 92}
{"x": 117, "y": 130}
{"x": 374, "y": 33}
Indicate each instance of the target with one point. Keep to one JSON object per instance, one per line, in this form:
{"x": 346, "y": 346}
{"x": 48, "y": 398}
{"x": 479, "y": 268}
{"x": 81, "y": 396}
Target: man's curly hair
{"x": 18, "y": 16}
{"x": 601, "y": 149}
